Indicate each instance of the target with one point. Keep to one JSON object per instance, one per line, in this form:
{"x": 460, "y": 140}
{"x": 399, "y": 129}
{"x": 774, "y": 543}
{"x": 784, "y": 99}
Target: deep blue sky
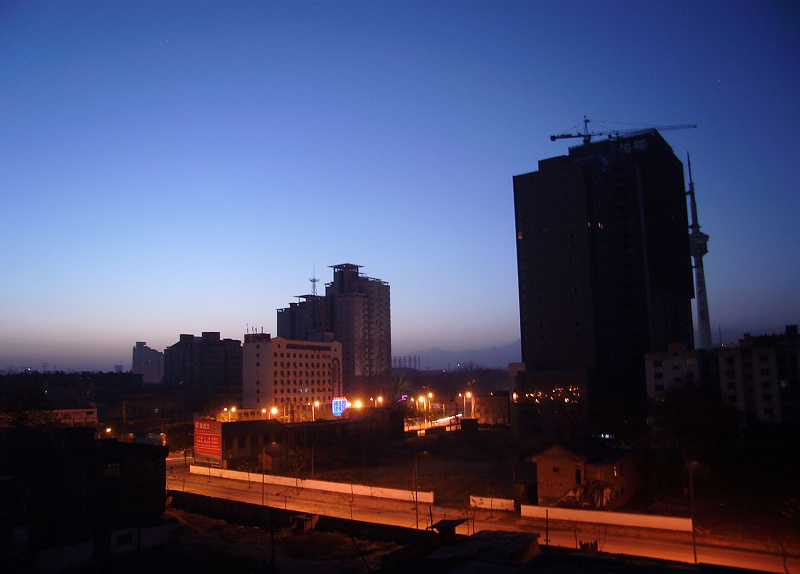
{"x": 178, "y": 167}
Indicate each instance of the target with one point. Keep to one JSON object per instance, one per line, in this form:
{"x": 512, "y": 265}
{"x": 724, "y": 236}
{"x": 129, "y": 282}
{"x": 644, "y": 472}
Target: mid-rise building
{"x": 604, "y": 270}
{"x": 677, "y": 366}
{"x": 298, "y": 378}
{"x": 356, "y": 312}
{"x": 760, "y": 376}
{"x": 148, "y": 362}
{"x": 208, "y": 367}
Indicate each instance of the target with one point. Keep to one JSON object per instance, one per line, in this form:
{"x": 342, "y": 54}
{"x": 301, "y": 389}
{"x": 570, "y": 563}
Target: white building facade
{"x": 292, "y": 381}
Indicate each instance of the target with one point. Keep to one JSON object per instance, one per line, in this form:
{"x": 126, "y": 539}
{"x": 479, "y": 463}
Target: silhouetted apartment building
{"x": 148, "y": 362}
{"x": 70, "y": 499}
{"x": 208, "y": 367}
{"x": 760, "y": 377}
{"x": 604, "y": 271}
{"x": 356, "y": 312}
{"x": 298, "y": 378}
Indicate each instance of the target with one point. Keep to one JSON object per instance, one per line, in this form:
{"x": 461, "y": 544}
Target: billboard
{"x": 338, "y": 406}
{"x": 208, "y": 438}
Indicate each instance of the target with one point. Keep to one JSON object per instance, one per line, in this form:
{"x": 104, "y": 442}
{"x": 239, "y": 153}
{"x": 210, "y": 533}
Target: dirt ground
{"x": 210, "y": 546}
{"x": 456, "y": 466}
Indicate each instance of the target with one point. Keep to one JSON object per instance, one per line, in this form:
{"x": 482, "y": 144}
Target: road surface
{"x": 649, "y": 543}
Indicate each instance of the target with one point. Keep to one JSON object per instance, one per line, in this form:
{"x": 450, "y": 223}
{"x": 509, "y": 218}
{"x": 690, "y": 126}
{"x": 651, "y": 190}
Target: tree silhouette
{"x": 694, "y": 420}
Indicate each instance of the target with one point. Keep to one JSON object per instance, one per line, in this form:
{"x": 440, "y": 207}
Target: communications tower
{"x": 698, "y": 242}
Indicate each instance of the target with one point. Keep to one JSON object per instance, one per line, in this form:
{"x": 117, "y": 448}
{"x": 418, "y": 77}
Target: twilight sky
{"x": 178, "y": 167}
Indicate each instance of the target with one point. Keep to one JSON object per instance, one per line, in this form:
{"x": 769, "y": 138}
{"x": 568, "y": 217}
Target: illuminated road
{"x": 635, "y": 542}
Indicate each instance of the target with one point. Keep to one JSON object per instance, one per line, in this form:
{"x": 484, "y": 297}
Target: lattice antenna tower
{"x": 315, "y": 326}
{"x": 314, "y": 280}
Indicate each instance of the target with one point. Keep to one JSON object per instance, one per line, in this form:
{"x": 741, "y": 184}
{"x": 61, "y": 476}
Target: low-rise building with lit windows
{"x": 300, "y": 379}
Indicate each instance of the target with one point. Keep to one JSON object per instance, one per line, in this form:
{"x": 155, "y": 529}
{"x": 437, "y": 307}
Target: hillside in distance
{"x": 492, "y": 358}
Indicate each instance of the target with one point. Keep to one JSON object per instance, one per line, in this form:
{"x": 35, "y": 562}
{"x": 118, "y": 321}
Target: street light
{"x": 229, "y": 411}
{"x": 273, "y": 411}
{"x": 467, "y": 395}
{"x": 313, "y": 410}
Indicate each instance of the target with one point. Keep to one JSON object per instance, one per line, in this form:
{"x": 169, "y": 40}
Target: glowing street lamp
{"x": 229, "y": 411}
{"x": 380, "y": 401}
{"x": 313, "y": 410}
{"x": 467, "y": 395}
{"x": 272, "y": 412}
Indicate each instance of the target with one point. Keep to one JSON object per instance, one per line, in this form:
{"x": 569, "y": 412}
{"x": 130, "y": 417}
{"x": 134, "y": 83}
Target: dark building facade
{"x": 604, "y": 270}
{"x": 356, "y": 312}
{"x": 759, "y": 376}
{"x": 208, "y": 367}
{"x": 64, "y": 489}
{"x": 147, "y": 362}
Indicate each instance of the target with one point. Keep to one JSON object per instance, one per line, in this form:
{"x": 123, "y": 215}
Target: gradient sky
{"x": 177, "y": 167}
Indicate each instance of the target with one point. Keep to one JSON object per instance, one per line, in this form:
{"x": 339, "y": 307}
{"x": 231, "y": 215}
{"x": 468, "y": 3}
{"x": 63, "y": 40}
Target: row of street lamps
{"x": 273, "y": 411}
{"x": 422, "y": 399}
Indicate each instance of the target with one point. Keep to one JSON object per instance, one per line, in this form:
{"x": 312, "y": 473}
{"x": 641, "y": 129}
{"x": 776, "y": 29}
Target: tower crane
{"x": 614, "y": 134}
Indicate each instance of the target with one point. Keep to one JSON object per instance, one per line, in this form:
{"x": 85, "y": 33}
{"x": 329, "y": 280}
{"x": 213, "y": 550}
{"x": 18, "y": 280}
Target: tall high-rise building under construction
{"x": 604, "y": 271}
{"x": 354, "y": 311}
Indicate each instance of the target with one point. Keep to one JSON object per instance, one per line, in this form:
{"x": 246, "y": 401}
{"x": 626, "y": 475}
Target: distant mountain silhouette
{"x": 493, "y": 358}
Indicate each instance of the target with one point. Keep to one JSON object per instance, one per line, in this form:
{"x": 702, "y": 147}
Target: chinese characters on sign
{"x": 208, "y": 438}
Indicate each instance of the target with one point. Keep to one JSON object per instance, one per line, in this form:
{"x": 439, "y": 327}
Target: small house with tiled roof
{"x": 585, "y": 473}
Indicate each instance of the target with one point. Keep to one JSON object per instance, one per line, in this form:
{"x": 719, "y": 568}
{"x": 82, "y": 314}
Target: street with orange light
{"x": 650, "y": 543}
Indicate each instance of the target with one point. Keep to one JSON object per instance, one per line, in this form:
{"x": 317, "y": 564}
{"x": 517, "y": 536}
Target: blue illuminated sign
{"x": 338, "y": 406}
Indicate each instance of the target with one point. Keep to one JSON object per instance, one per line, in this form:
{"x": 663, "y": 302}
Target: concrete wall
{"x": 505, "y": 504}
{"x": 601, "y": 517}
{"x": 78, "y": 556}
{"x": 340, "y": 487}
{"x": 124, "y": 540}
{"x": 245, "y": 513}
{"x": 157, "y": 535}
{"x": 65, "y": 558}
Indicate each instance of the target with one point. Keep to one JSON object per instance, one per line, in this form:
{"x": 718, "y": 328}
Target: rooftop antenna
{"x": 315, "y": 322}
{"x": 314, "y": 282}
{"x": 698, "y": 245}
